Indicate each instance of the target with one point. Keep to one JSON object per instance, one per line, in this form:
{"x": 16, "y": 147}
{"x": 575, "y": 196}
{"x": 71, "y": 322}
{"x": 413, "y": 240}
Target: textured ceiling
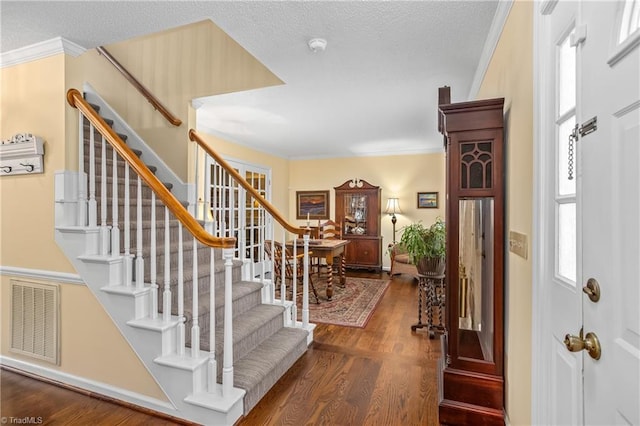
{"x": 372, "y": 92}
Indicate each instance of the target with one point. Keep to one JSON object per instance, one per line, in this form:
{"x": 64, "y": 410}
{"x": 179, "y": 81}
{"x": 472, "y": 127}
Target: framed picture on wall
{"x": 427, "y": 200}
{"x": 312, "y": 205}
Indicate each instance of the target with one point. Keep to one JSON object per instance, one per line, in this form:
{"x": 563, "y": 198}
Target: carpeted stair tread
{"x": 245, "y": 296}
{"x": 262, "y": 368}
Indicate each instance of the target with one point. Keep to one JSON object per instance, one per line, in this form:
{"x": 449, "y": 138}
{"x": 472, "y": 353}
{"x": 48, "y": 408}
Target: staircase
{"x": 160, "y": 285}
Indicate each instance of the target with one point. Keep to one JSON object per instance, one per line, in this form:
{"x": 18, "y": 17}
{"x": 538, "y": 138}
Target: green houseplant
{"x": 426, "y": 246}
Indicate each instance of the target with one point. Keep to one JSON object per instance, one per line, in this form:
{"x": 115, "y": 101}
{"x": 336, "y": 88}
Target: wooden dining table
{"x": 328, "y": 250}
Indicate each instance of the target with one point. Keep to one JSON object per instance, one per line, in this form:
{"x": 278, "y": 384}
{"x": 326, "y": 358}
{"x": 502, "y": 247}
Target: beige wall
{"x": 400, "y": 176}
{"x": 510, "y": 75}
{"x": 32, "y": 102}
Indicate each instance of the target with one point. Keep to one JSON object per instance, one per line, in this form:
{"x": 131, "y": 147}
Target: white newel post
{"x": 152, "y": 257}
{"x": 82, "y": 185}
{"x": 93, "y": 208}
{"x": 105, "y": 238}
{"x": 195, "y": 326}
{"x": 181, "y": 318}
{"x": 213, "y": 368}
{"x": 166, "y": 296}
{"x": 139, "y": 258}
{"x": 227, "y": 366}
{"x": 305, "y": 284}
{"x": 294, "y": 281}
{"x": 115, "y": 228}
{"x": 128, "y": 277}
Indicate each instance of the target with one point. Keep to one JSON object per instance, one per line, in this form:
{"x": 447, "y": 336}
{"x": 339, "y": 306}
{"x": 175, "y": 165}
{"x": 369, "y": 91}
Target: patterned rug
{"x": 350, "y": 306}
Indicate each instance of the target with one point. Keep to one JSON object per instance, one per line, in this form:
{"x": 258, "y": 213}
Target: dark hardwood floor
{"x": 383, "y": 374}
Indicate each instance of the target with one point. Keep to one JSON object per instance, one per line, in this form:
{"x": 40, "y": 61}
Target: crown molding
{"x": 497, "y": 25}
{"x": 40, "y": 50}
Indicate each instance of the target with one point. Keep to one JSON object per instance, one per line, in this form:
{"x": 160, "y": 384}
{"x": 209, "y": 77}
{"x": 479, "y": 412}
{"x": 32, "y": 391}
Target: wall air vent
{"x": 35, "y": 320}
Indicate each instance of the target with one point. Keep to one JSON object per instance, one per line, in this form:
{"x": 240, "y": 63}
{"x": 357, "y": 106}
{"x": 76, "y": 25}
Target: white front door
{"x": 560, "y": 260}
{"x": 610, "y": 160}
{"x": 590, "y": 224}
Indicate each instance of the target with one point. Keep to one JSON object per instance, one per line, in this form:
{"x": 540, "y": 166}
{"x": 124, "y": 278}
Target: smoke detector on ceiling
{"x": 317, "y": 44}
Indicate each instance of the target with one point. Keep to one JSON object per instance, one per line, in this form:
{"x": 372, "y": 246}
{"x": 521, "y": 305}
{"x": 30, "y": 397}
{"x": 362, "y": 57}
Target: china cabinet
{"x": 471, "y": 377}
{"x": 358, "y": 213}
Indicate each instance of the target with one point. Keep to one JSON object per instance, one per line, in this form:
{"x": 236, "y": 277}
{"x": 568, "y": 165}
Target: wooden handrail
{"x": 143, "y": 90}
{"x": 193, "y": 135}
{"x": 75, "y": 99}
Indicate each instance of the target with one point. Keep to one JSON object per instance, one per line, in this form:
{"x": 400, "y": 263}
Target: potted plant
{"x": 426, "y": 246}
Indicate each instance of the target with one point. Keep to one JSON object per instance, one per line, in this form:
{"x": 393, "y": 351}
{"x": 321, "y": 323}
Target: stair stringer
{"x": 103, "y": 276}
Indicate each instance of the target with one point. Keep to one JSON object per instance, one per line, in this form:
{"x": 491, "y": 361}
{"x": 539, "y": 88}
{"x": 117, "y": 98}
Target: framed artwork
{"x": 427, "y": 200}
{"x": 312, "y": 205}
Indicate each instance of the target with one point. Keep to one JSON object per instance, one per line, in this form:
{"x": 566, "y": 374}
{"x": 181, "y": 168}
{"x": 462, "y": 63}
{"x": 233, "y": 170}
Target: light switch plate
{"x": 518, "y": 244}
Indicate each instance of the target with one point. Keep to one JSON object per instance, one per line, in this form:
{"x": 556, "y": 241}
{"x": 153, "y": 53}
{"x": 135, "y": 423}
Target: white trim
{"x": 624, "y": 48}
{"x": 497, "y": 25}
{"x": 41, "y": 274}
{"x": 537, "y": 247}
{"x": 40, "y": 50}
{"x": 93, "y": 386}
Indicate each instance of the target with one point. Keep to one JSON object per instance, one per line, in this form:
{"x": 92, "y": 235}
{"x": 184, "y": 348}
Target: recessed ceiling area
{"x": 371, "y": 91}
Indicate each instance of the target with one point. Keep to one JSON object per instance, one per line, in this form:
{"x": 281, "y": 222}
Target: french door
{"x": 237, "y": 214}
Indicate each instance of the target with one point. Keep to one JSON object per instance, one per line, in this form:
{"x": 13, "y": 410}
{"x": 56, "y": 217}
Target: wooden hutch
{"x": 358, "y": 213}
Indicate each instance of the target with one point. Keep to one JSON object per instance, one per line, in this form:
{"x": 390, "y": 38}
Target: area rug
{"x": 351, "y": 305}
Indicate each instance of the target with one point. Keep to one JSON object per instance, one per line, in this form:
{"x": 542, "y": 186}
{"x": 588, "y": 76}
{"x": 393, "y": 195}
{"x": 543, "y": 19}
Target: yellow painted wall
{"x": 90, "y": 345}
{"x": 400, "y": 176}
{"x": 32, "y": 101}
{"x": 510, "y": 75}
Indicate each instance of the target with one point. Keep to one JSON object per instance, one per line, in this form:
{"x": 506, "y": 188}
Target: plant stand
{"x": 431, "y": 295}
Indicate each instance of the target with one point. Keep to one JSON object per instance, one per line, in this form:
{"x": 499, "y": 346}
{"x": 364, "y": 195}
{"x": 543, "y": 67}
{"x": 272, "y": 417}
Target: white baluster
{"x": 139, "y": 258}
{"x": 127, "y": 229}
{"x": 115, "y": 227}
{"x": 227, "y": 364}
{"x": 166, "y": 296}
{"x": 152, "y": 256}
{"x": 181, "y": 318}
{"x": 82, "y": 179}
{"x": 93, "y": 208}
{"x": 213, "y": 367}
{"x": 195, "y": 328}
{"x": 104, "y": 229}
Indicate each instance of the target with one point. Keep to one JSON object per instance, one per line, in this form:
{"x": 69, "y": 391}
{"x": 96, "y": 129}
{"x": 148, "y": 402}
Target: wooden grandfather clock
{"x": 471, "y": 374}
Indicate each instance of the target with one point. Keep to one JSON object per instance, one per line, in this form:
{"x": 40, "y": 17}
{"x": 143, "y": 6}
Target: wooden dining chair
{"x": 329, "y": 230}
{"x": 290, "y": 262}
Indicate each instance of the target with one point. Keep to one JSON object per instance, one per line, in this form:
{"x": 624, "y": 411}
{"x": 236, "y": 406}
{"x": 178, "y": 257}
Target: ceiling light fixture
{"x": 317, "y": 45}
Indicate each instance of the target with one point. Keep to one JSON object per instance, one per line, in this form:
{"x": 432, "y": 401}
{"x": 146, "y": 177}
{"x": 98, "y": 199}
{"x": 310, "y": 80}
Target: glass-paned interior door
{"x": 237, "y": 213}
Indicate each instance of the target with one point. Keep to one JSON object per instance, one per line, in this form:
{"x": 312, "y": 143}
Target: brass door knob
{"x": 590, "y": 343}
{"x": 592, "y": 289}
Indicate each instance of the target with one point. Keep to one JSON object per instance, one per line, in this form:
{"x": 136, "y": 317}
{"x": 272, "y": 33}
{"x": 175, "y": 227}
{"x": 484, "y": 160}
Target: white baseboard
{"x": 92, "y": 385}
